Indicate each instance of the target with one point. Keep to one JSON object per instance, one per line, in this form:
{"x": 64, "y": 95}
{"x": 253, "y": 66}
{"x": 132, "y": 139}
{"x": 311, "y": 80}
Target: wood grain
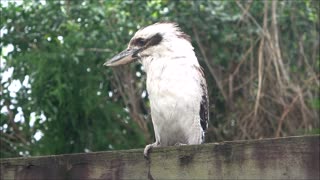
{"x": 281, "y": 158}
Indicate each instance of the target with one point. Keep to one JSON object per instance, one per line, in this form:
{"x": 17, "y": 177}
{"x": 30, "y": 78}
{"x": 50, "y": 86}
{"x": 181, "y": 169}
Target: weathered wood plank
{"x": 282, "y": 158}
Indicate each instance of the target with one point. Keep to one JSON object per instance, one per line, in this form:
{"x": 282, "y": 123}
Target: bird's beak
{"x": 124, "y": 57}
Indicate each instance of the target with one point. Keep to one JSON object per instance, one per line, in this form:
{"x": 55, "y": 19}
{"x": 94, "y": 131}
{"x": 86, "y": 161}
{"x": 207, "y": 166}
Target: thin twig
{"x": 246, "y": 10}
{"x": 277, "y": 51}
{"x": 260, "y": 64}
{"x": 284, "y": 114}
{"x": 213, "y": 74}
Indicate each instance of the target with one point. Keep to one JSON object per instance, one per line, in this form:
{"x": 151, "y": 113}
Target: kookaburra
{"x": 175, "y": 83}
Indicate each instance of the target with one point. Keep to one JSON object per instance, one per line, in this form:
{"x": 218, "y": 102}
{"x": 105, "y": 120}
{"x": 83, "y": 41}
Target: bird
{"x": 175, "y": 84}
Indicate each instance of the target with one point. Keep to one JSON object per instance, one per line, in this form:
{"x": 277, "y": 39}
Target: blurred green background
{"x": 261, "y": 61}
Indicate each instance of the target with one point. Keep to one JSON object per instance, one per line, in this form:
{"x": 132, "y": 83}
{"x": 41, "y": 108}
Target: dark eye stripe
{"x": 139, "y": 42}
{"x": 154, "y": 40}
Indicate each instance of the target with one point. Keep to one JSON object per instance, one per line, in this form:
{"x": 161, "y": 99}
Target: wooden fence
{"x": 281, "y": 158}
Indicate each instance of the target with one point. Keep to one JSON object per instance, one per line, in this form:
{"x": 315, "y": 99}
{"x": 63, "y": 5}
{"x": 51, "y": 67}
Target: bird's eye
{"x": 140, "y": 42}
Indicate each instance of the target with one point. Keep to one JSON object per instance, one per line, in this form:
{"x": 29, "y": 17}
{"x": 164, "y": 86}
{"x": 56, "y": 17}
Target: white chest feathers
{"x": 174, "y": 88}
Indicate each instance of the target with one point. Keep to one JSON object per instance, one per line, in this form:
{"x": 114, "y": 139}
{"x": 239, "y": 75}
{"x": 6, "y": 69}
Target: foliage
{"x": 261, "y": 61}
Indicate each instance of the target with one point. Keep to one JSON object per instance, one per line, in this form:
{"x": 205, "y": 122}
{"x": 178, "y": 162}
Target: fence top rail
{"x": 294, "y": 157}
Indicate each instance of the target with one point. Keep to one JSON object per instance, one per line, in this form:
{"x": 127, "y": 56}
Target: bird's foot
{"x": 148, "y": 148}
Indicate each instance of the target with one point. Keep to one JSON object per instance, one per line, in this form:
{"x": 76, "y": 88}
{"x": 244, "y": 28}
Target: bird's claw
{"x": 148, "y": 148}
{"x": 146, "y": 151}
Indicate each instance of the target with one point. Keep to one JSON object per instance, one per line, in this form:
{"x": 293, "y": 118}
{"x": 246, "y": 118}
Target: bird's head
{"x": 157, "y": 40}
